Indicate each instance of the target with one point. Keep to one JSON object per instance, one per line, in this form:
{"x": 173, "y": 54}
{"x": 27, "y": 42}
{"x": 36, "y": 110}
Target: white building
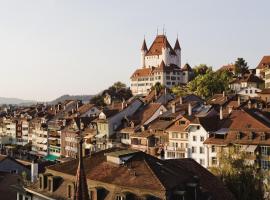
{"x": 249, "y": 92}
{"x": 160, "y": 63}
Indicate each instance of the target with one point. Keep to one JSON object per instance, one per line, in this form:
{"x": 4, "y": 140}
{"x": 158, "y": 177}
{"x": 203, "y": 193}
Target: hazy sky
{"x": 54, "y": 47}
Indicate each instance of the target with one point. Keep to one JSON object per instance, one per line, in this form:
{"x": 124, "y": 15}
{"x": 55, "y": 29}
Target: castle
{"x": 160, "y": 63}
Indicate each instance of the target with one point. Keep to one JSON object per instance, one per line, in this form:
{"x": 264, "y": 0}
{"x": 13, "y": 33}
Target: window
{"x": 213, "y": 148}
{"x": 175, "y": 144}
{"x": 186, "y": 135}
{"x": 20, "y": 197}
{"x": 69, "y": 192}
{"x": 265, "y": 150}
{"x": 201, "y": 150}
{"x": 193, "y": 149}
{"x": 202, "y": 162}
{"x": 202, "y": 138}
{"x": 246, "y": 91}
{"x": 194, "y": 138}
{"x": 214, "y": 161}
{"x": 118, "y": 197}
{"x": 265, "y": 164}
{"x": 182, "y": 122}
{"x": 171, "y": 154}
{"x": 174, "y": 135}
{"x": 198, "y": 127}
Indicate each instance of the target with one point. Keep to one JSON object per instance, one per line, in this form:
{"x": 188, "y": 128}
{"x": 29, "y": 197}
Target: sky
{"x": 53, "y": 47}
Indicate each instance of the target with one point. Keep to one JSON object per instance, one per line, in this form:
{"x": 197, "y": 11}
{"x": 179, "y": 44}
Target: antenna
{"x": 163, "y": 29}
{"x": 157, "y": 30}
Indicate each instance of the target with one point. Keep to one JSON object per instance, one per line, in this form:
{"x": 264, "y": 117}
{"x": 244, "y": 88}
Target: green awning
{"x": 51, "y": 157}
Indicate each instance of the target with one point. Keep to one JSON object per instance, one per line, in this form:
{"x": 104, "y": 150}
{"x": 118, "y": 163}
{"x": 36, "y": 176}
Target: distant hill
{"x": 83, "y": 98}
{"x": 16, "y": 101}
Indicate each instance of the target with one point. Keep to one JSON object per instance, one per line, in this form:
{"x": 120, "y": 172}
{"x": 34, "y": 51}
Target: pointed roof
{"x": 162, "y": 65}
{"x": 187, "y": 67}
{"x": 81, "y": 189}
{"x": 177, "y": 45}
{"x": 159, "y": 43}
{"x": 144, "y": 46}
{"x": 264, "y": 62}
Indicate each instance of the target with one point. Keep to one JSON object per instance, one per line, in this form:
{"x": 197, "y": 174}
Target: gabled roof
{"x": 147, "y": 173}
{"x": 249, "y": 78}
{"x": 159, "y": 43}
{"x": 187, "y": 67}
{"x": 264, "y": 62}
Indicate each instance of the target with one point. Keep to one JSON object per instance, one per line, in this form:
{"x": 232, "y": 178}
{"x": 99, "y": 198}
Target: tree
{"x": 98, "y": 100}
{"x": 210, "y": 83}
{"x": 119, "y": 85}
{"x": 241, "y": 66}
{"x": 243, "y": 179}
{"x": 201, "y": 69}
{"x": 158, "y": 87}
{"x": 179, "y": 90}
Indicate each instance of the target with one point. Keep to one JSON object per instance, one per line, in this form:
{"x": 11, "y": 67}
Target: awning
{"x": 51, "y": 157}
{"x": 100, "y": 135}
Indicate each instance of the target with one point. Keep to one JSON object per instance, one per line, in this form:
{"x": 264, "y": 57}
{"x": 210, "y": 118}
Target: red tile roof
{"x": 159, "y": 43}
{"x": 265, "y": 61}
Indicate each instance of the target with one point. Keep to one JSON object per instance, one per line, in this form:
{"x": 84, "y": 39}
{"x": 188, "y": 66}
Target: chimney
{"x": 239, "y": 101}
{"x": 173, "y": 108}
{"x": 189, "y": 109}
{"x": 223, "y": 93}
{"x": 220, "y": 113}
{"x": 34, "y": 171}
{"x": 180, "y": 100}
{"x": 230, "y": 109}
{"x": 77, "y": 105}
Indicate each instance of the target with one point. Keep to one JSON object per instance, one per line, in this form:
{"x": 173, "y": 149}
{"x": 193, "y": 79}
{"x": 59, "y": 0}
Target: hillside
{"x": 83, "y": 98}
{"x": 15, "y": 101}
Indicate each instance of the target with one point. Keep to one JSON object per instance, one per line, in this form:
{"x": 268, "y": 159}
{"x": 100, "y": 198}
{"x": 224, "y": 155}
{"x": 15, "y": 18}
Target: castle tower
{"x": 143, "y": 53}
{"x": 177, "y": 50}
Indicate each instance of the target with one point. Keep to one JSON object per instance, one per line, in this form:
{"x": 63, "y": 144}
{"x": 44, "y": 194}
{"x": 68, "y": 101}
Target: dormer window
{"x": 250, "y": 136}
{"x": 263, "y": 136}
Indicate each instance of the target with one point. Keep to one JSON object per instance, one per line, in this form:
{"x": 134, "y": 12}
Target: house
{"x": 160, "y": 63}
{"x": 246, "y": 130}
{"x": 264, "y": 95}
{"x": 246, "y": 81}
{"x": 127, "y": 174}
{"x": 262, "y": 66}
{"x": 142, "y": 117}
{"x": 110, "y": 120}
{"x": 249, "y": 92}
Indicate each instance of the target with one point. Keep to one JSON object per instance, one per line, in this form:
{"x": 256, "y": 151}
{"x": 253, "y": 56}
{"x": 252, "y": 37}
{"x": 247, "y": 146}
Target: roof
{"x": 177, "y": 45}
{"x": 144, "y": 46}
{"x": 146, "y": 112}
{"x": 265, "y": 91}
{"x": 147, "y": 173}
{"x": 186, "y": 67}
{"x": 159, "y": 43}
{"x": 250, "y": 78}
{"x": 229, "y": 67}
{"x": 264, "y": 61}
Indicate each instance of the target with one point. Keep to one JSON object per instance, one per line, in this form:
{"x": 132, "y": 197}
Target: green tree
{"x": 210, "y": 83}
{"x": 158, "y": 86}
{"x": 98, "y": 100}
{"x": 201, "y": 69}
{"x": 242, "y": 179}
{"x": 241, "y": 66}
{"x": 179, "y": 90}
{"x": 119, "y": 85}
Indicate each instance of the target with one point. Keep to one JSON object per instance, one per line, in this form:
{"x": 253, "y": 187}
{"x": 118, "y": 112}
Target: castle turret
{"x": 143, "y": 53}
{"x": 177, "y": 50}
{"x": 166, "y": 50}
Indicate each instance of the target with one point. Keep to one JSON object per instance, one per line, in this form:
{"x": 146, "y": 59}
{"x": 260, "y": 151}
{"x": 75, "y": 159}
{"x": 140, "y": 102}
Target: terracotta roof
{"x": 250, "y": 78}
{"x": 265, "y": 61}
{"x": 142, "y": 72}
{"x": 150, "y": 174}
{"x": 146, "y": 112}
{"x": 159, "y": 43}
{"x": 229, "y": 67}
{"x": 265, "y": 91}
